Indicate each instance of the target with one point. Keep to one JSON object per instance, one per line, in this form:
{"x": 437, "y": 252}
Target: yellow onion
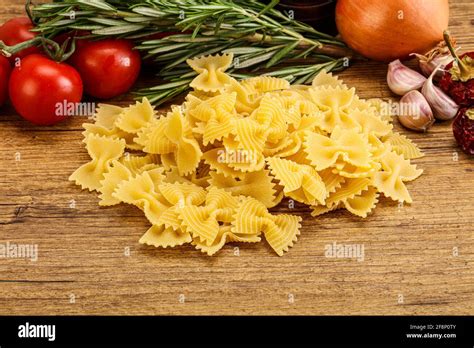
{"x": 387, "y": 30}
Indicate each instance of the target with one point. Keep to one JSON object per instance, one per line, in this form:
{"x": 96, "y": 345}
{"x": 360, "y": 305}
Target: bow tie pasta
{"x": 206, "y": 172}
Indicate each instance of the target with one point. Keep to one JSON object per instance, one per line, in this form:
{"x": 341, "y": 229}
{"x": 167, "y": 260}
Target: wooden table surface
{"x": 419, "y": 258}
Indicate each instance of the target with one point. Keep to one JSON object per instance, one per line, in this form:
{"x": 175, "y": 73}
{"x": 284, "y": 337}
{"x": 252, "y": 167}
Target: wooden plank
{"x": 410, "y": 264}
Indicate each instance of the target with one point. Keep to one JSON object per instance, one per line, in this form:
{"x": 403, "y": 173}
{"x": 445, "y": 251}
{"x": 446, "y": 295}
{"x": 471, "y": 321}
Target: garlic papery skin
{"x": 439, "y": 56}
{"x": 427, "y": 66}
{"x": 415, "y": 112}
{"x": 444, "y": 108}
{"x": 401, "y": 79}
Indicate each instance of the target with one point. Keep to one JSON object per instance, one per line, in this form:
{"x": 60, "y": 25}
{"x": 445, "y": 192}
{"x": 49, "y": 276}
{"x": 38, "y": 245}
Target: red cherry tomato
{"x": 108, "y": 68}
{"x": 15, "y": 31}
{"x": 5, "y": 70}
{"x": 40, "y": 85}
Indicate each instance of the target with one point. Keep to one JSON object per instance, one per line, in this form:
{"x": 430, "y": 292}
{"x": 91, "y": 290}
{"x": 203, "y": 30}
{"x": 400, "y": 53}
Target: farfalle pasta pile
{"x": 207, "y": 172}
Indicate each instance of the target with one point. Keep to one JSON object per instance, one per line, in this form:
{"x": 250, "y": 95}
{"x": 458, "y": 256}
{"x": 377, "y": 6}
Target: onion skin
{"x": 373, "y": 28}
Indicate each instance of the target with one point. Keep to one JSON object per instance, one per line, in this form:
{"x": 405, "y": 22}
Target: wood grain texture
{"x": 408, "y": 250}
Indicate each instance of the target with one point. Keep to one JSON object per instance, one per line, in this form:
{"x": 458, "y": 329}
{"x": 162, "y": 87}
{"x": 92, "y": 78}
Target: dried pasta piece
{"x": 170, "y": 218}
{"x": 169, "y": 161}
{"x": 283, "y": 233}
{"x": 245, "y": 103}
{"x": 381, "y": 109}
{"x": 106, "y": 115}
{"x": 258, "y": 185}
{"x": 289, "y": 143}
{"x": 102, "y": 151}
{"x": 156, "y": 173}
{"x": 263, "y": 84}
{"x": 211, "y": 70}
{"x": 197, "y": 178}
{"x": 115, "y": 175}
{"x": 299, "y": 181}
{"x": 217, "y": 161}
{"x": 378, "y": 148}
{"x": 348, "y": 170}
{"x": 395, "y": 171}
{"x": 322, "y": 209}
{"x": 153, "y": 138}
{"x": 280, "y": 195}
{"x": 135, "y": 117}
{"x": 140, "y": 191}
{"x": 349, "y": 189}
{"x": 299, "y": 157}
{"x": 333, "y": 102}
{"x": 302, "y": 90}
{"x": 217, "y": 114}
{"x": 115, "y": 132}
{"x": 224, "y": 236}
{"x": 371, "y": 124}
{"x": 271, "y": 118}
{"x": 250, "y": 134}
{"x": 236, "y": 161}
{"x": 347, "y": 144}
{"x": 136, "y": 163}
{"x": 295, "y": 107}
{"x": 183, "y": 194}
{"x": 245, "y": 160}
{"x": 361, "y": 105}
{"x": 252, "y": 218}
{"x": 179, "y": 195}
{"x": 159, "y": 236}
{"x": 105, "y": 118}
{"x": 403, "y": 146}
{"x": 325, "y": 78}
{"x": 333, "y": 181}
{"x": 191, "y": 103}
{"x": 294, "y": 146}
{"x": 203, "y": 222}
{"x": 172, "y": 176}
{"x": 201, "y": 95}
{"x": 188, "y": 153}
{"x": 310, "y": 123}
{"x": 362, "y": 204}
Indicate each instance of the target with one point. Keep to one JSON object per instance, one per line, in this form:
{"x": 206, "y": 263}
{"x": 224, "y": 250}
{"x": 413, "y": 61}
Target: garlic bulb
{"x": 427, "y": 66}
{"x": 401, "y": 79}
{"x": 415, "y": 112}
{"x": 437, "y": 57}
{"x": 444, "y": 108}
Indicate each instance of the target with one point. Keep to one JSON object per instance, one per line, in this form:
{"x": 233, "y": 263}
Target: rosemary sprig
{"x": 178, "y": 82}
{"x": 260, "y": 36}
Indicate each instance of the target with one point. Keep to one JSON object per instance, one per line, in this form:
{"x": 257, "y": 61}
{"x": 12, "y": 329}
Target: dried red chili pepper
{"x": 458, "y": 79}
{"x": 463, "y": 129}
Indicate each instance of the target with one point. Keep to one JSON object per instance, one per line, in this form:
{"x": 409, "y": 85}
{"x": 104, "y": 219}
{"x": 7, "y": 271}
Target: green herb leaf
{"x": 118, "y": 30}
{"x": 102, "y": 5}
{"x": 281, "y": 54}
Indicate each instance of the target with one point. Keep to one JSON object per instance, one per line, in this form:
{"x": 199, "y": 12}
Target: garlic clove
{"x": 401, "y": 79}
{"x": 415, "y": 112}
{"x": 444, "y": 108}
